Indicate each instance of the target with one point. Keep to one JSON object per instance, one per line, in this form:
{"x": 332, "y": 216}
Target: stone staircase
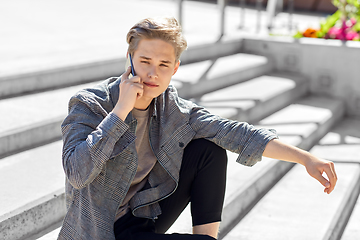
{"x": 272, "y": 200}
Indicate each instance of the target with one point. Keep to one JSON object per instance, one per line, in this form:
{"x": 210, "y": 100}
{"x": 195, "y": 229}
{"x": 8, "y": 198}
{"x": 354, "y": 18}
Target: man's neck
{"x": 143, "y": 103}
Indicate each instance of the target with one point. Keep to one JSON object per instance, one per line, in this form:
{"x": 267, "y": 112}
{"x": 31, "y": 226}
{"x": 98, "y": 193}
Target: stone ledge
{"x": 332, "y": 66}
{"x": 32, "y": 218}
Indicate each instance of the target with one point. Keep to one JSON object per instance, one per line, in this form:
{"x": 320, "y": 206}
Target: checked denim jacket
{"x": 100, "y": 160}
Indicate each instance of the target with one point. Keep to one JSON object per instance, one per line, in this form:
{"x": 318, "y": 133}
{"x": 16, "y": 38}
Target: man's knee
{"x": 205, "y": 152}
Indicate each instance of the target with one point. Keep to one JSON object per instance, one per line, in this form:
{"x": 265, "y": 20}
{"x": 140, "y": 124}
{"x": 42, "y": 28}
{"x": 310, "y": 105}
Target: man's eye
{"x": 163, "y": 65}
{"x": 146, "y": 62}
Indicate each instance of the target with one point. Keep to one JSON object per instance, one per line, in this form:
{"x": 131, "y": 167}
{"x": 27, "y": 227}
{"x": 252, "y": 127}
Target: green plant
{"x": 344, "y": 24}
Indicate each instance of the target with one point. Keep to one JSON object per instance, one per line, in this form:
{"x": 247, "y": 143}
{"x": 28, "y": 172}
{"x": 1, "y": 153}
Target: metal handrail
{"x": 222, "y": 4}
{"x": 272, "y": 8}
{"x": 180, "y": 11}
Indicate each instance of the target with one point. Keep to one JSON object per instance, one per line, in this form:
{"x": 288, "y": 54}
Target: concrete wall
{"x": 332, "y": 66}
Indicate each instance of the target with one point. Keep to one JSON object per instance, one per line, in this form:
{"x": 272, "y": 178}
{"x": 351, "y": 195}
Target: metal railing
{"x": 273, "y": 7}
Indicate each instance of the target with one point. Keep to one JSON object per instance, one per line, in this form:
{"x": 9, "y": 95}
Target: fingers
{"x": 331, "y": 174}
{"x": 317, "y": 167}
{"x": 126, "y": 74}
{"x": 329, "y": 169}
{"x": 131, "y": 87}
{"x": 318, "y": 176}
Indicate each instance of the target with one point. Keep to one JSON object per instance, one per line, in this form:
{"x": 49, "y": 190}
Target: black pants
{"x": 202, "y": 182}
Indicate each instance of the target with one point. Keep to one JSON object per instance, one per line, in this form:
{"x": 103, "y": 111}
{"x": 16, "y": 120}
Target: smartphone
{"x": 132, "y": 66}
{"x": 130, "y": 63}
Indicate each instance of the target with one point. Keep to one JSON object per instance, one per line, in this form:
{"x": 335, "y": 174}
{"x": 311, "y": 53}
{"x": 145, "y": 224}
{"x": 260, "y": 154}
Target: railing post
{"x": 180, "y": 12}
{"x": 222, "y": 5}
{"x": 291, "y": 11}
{"x": 258, "y": 7}
{"x": 272, "y": 8}
{"x": 270, "y": 11}
{"x": 242, "y": 17}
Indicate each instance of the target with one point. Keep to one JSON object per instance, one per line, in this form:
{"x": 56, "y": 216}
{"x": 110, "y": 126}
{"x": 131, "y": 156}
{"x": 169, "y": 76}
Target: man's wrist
{"x": 304, "y": 157}
{"x": 120, "y": 112}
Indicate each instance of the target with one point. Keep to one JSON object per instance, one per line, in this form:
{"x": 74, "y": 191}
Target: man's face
{"x": 154, "y": 62}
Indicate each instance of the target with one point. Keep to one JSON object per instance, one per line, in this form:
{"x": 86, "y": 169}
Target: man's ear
{"x": 176, "y": 67}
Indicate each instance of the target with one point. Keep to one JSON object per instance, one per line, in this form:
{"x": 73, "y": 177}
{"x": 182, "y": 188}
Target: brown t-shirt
{"x": 146, "y": 158}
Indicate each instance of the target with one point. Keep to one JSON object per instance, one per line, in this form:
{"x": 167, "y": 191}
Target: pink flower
{"x": 352, "y": 35}
{"x": 342, "y": 34}
{"x": 352, "y": 21}
{"x": 335, "y": 33}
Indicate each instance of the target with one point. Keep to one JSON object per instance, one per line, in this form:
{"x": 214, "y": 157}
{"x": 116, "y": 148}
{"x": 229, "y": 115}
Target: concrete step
{"x": 253, "y": 100}
{"x": 84, "y": 72}
{"x": 32, "y": 191}
{"x": 35, "y": 119}
{"x": 302, "y": 124}
{"x": 352, "y": 229}
{"x": 342, "y": 145}
{"x": 296, "y": 207}
{"x": 194, "y": 80}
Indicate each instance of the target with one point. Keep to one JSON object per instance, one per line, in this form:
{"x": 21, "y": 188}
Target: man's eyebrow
{"x": 163, "y": 61}
{"x": 147, "y": 58}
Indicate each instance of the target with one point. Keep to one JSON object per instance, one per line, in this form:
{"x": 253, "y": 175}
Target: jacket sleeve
{"x": 239, "y": 137}
{"x": 90, "y": 139}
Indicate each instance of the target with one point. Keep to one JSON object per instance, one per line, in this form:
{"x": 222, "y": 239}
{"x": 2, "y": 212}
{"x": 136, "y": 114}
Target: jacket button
{"x": 181, "y": 144}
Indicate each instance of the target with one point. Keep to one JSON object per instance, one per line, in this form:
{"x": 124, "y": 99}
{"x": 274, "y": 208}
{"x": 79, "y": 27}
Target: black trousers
{"x": 202, "y": 182}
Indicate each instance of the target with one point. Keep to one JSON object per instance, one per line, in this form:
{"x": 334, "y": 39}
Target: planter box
{"x": 332, "y": 66}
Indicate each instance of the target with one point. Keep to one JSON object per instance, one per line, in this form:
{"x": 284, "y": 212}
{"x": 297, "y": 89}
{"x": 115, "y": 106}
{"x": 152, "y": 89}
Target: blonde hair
{"x": 165, "y": 28}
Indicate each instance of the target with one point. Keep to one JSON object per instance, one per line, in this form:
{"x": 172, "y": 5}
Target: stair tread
{"x": 269, "y": 84}
{"x": 202, "y": 77}
{"x": 293, "y": 125}
{"x": 352, "y": 230}
{"x": 341, "y": 144}
{"x": 296, "y": 203}
{"x": 243, "y": 96}
{"x": 51, "y": 235}
{"x": 32, "y": 109}
{"x": 305, "y": 201}
{"x": 30, "y": 175}
{"x": 219, "y": 67}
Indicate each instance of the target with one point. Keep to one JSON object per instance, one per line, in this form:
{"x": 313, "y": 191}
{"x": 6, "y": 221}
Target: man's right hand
{"x": 130, "y": 90}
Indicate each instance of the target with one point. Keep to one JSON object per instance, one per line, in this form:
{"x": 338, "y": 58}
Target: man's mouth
{"x": 152, "y": 85}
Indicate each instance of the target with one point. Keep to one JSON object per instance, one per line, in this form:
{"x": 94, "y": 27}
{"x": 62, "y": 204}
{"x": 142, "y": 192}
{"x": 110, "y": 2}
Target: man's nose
{"x": 153, "y": 72}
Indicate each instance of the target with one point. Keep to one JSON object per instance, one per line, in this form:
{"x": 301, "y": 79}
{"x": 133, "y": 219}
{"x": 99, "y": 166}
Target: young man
{"x": 135, "y": 154}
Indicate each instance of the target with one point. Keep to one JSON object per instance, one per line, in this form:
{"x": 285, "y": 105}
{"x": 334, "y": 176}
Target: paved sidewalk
{"x": 41, "y": 34}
